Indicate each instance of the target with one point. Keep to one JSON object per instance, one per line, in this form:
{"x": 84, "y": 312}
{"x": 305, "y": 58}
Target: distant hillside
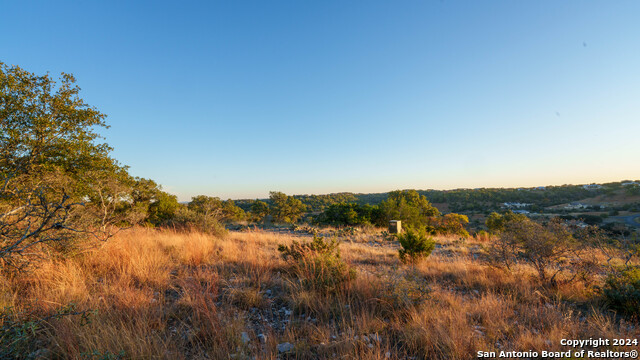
{"x": 482, "y": 199}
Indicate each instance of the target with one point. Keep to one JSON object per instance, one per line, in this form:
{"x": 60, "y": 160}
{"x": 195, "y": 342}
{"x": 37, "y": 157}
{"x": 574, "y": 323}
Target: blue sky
{"x": 237, "y": 98}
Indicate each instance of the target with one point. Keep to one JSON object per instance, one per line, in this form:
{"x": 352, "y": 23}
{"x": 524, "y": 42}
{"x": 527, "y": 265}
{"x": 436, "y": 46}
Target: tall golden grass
{"x": 161, "y": 294}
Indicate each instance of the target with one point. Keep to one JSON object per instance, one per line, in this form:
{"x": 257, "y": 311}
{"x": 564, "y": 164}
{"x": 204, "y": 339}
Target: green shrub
{"x": 416, "y": 245}
{"x": 541, "y": 246}
{"x": 187, "y": 219}
{"x": 349, "y": 214}
{"x": 622, "y": 290}
{"x": 317, "y": 264}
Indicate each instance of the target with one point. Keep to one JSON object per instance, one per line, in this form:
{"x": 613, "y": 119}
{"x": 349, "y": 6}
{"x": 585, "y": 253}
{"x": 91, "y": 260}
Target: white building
{"x": 576, "y": 205}
{"x": 515, "y": 205}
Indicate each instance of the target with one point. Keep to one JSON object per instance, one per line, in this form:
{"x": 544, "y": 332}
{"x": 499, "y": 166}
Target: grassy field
{"x": 159, "y": 294}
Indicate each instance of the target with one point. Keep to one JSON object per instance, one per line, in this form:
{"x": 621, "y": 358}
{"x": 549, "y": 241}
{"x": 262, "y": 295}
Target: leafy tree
{"x": 452, "y": 224}
{"x": 285, "y": 208}
{"x": 410, "y": 207}
{"x": 348, "y": 214}
{"x": 163, "y": 208}
{"x": 207, "y": 205}
{"x": 231, "y": 212}
{"x": 188, "y": 219}
{"x": 259, "y": 209}
{"x": 539, "y": 245}
{"x": 46, "y": 127}
{"x": 144, "y": 191}
{"x": 57, "y": 179}
{"x": 321, "y": 202}
{"x": 496, "y": 222}
{"x": 215, "y": 208}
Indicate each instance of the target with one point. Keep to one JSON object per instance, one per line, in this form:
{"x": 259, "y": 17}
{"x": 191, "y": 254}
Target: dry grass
{"x": 167, "y": 295}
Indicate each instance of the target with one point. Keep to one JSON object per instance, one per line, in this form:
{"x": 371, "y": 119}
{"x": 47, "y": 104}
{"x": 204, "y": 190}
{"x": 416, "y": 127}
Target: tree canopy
{"x": 284, "y": 208}
{"x": 410, "y": 207}
{"x": 45, "y": 126}
{"x": 58, "y": 181}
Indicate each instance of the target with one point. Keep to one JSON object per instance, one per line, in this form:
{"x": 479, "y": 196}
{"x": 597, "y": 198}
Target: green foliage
{"x": 622, "y": 290}
{"x": 45, "y": 126}
{"x": 539, "y": 245}
{"x": 285, "y": 209}
{"x": 163, "y": 208}
{"x": 213, "y": 207}
{"x": 414, "y": 210}
{"x": 344, "y": 214}
{"x": 315, "y": 203}
{"x": 317, "y": 264}
{"x": 206, "y": 205}
{"x": 632, "y": 190}
{"x": 18, "y": 337}
{"x": 231, "y": 212}
{"x": 58, "y": 182}
{"x": 410, "y": 207}
{"x": 496, "y": 222}
{"x": 188, "y": 219}
{"x": 416, "y": 245}
{"x": 451, "y": 224}
{"x": 460, "y": 200}
{"x": 259, "y": 210}
{"x": 155, "y": 206}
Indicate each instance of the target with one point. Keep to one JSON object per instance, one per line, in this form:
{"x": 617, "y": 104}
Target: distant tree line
{"x": 469, "y": 200}
{"x": 408, "y": 206}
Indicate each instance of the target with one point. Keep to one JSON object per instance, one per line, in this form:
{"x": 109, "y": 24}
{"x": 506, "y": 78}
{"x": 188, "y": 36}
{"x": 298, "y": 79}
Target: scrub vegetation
{"x": 98, "y": 264}
{"x": 149, "y": 293}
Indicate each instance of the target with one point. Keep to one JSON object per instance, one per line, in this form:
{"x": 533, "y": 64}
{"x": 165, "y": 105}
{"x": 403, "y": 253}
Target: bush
{"x": 590, "y": 219}
{"x": 622, "y": 290}
{"x": 317, "y": 264}
{"x": 452, "y": 224}
{"x": 539, "y": 245}
{"x": 495, "y": 222}
{"x": 416, "y": 245}
{"x": 186, "y": 219}
{"x": 349, "y": 214}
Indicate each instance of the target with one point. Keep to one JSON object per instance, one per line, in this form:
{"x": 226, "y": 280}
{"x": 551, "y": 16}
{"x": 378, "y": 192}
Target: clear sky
{"x": 236, "y": 98}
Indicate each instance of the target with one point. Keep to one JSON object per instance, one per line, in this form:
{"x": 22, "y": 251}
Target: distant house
{"x": 541, "y": 187}
{"x": 576, "y": 205}
{"x": 592, "y": 187}
{"x": 630, "y": 183}
{"x": 514, "y": 205}
{"x": 520, "y": 211}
